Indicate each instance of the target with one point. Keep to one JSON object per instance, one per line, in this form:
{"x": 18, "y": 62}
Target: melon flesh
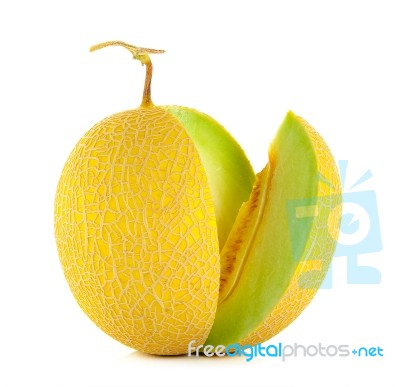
{"x": 283, "y": 239}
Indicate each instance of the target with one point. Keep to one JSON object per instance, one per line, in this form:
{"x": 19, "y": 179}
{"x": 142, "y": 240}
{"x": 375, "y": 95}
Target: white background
{"x": 246, "y": 63}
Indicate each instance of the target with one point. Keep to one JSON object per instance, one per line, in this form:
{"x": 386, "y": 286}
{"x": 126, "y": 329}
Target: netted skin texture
{"x": 136, "y": 232}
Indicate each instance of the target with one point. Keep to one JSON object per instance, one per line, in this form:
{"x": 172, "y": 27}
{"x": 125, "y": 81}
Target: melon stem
{"x": 141, "y": 54}
{"x": 146, "y": 100}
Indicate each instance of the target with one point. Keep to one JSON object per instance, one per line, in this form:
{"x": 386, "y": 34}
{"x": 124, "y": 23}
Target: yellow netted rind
{"x": 319, "y": 250}
{"x": 136, "y": 232}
